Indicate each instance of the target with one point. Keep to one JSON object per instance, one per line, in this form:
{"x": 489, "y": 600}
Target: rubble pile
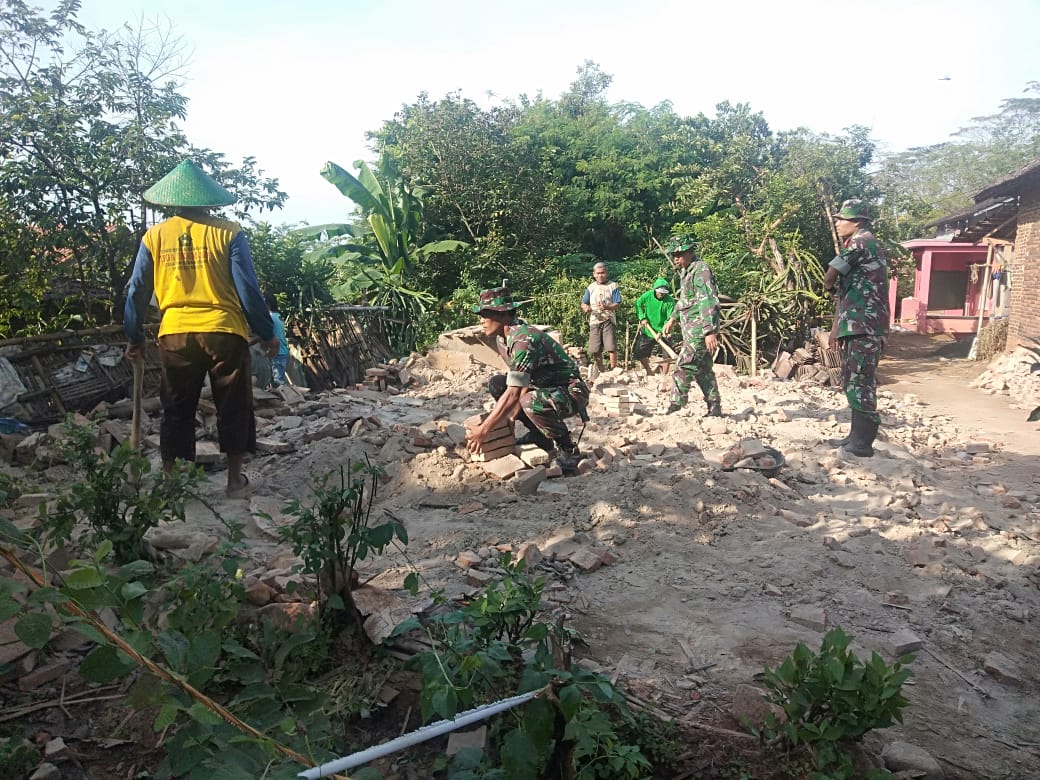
{"x": 1015, "y": 374}
{"x": 391, "y": 377}
{"x": 686, "y": 559}
{"x": 751, "y": 454}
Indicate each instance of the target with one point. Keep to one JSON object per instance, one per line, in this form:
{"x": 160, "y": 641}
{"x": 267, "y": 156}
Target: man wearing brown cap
{"x": 202, "y": 274}
{"x": 543, "y": 387}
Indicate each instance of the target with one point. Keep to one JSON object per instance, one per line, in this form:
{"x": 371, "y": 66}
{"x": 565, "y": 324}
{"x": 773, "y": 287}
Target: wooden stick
{"x": 135, "y": 420}
{"x": 18, "y": 712}
{"x": 717, "y": 730}
{"x": 657, "y": 337}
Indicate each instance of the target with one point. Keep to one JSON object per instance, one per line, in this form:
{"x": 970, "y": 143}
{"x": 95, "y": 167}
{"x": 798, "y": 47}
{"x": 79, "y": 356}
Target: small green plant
{"x": 335, "y": 532}
{"x": 18, "y": 756}
{"x": 831, "y": 699}
{"x": 496, "y": 646}
{"x": 8, "y": 490}
{"x": 117, "y": 494}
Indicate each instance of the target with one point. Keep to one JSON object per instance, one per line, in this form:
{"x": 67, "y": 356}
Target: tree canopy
{"x": 88, "y": 120}
{"x": 529, "y": 189}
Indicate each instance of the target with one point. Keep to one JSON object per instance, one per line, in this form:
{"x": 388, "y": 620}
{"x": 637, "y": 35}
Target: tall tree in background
{"x": 87, "y": 121}
{"x": 928, "y": 182}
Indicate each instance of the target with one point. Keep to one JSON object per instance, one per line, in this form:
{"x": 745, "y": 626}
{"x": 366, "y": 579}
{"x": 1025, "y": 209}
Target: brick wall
{"x": 1024, "y": 315}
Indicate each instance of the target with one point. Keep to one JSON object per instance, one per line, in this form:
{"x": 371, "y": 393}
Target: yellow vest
{"x": 193, "y": 283}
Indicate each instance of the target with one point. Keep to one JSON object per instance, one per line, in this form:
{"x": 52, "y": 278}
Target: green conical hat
{"x": 188, "y": 185}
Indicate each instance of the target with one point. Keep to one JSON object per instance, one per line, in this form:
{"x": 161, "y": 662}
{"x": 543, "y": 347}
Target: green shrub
{"x": 117, "y": 494}
{"x": 831, "y": 699}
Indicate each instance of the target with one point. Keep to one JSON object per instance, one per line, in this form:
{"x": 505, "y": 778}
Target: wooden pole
{"x": 828, "y": 206}
{"x": 754, "y": 342}
{"x": 982, "y": 300}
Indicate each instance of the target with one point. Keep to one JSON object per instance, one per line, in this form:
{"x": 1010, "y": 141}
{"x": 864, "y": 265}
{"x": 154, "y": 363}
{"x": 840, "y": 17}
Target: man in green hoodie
{"x": 654, "y": 309}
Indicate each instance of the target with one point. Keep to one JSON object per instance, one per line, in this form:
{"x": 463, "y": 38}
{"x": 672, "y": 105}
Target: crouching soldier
{"x": 543, "y": 387}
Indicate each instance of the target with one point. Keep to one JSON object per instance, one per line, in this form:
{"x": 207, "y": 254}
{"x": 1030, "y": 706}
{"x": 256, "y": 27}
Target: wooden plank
{"x": 45, "y": 379}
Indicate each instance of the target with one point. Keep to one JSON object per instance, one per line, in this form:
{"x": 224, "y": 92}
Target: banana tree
{"x": 375, "y": 258}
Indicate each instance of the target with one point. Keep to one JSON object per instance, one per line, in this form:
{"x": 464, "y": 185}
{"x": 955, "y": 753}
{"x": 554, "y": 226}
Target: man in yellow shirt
{"x": 202, "y": 274}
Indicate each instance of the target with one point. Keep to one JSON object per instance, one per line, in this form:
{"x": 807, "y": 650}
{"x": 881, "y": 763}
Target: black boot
{"x": 567, "y": 455}
{"x": 843, "y": 442}
{"x": 536, "y": 437}
{"x": 714, "y": 409}
{"x": 864, "y": 431}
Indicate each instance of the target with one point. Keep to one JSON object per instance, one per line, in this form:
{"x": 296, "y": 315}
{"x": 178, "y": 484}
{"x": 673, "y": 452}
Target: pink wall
{"x": 942, "y": 256}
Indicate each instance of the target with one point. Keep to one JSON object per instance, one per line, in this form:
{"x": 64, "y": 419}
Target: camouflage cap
{"x": 853, "y": 209}
{"x": 680, "y": 243}
{"x": 496, "y": 299}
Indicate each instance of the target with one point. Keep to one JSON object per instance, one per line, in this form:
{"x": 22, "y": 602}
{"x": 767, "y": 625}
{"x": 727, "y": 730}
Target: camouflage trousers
{"x": 859, "y": 361}
{"x": 694, "y": 365}
{"x": 547, "y": 408}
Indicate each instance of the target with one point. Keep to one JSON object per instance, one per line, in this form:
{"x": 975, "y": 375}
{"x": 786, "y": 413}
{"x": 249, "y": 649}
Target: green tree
{"x": 483, "y": 182}
{"x": 299, "y": 281}
{"x": 87, "y": 121}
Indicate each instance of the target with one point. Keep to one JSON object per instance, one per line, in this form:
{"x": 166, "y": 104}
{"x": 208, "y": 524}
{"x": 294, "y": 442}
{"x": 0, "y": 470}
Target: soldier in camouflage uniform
{"x": 543, "y": 387}
{"x": 859, "y": 278}
{"x": 697, "y": 310}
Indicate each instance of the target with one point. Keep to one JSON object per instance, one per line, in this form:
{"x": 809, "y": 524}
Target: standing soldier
{"x": 860, "y": 276}
{"x": 601, "y": 301}
{"x": 697, "y": 310}
{"x": 543, "y": 387}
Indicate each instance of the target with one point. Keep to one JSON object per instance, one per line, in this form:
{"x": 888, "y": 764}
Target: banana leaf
{"x": 351, "y": 187}
{"x": 330, "y": 230}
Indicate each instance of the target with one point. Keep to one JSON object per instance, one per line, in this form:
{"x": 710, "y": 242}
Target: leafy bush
{"x": 117, "y": 494}
{"x": 335, "y": 532}
{"x": 831, "y": 698}
{"x": 496, "y": 646}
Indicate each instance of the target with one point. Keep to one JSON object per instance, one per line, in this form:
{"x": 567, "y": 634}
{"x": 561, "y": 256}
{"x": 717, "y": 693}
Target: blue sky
{"x": 306, "y": 80}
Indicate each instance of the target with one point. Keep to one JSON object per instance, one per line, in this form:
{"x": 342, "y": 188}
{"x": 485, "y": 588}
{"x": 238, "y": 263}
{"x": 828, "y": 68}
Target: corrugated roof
{"x": 1008, "y": 185}
{"x": 966, "y": 213}
{"x": 971, "y": 225}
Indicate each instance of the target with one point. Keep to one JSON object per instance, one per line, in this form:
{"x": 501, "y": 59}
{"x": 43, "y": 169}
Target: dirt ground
{"x": 716, "y": 569}
{"x": 720, "y": 574}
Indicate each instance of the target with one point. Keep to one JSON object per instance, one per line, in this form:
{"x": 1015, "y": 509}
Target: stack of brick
{"x": 617, "y": 401}
{"x": 499, "y": 443}
{"x": 387, "y": 378}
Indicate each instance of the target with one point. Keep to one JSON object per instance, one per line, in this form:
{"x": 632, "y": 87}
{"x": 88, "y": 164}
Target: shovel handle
{"x": 657, "y": 337}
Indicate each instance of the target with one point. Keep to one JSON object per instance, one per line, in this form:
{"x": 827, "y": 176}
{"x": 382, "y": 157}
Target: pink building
{"x": 948, "y": 286}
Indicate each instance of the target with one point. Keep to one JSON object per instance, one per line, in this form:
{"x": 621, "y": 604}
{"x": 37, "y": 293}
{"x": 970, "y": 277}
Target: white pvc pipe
{"x": 475, "y": 715}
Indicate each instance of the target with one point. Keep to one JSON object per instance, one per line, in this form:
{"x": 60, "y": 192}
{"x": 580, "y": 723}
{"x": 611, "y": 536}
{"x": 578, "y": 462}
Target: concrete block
{"x": 810, "y": 617}
{"x": 905, "y": 641}
{"x": 526, "y": 482}
{"x": 504, "y": 467}
{"x": 586, "y": 559}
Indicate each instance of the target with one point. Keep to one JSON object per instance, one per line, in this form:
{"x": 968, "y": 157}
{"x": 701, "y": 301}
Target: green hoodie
{"x": 655, "y": 311}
